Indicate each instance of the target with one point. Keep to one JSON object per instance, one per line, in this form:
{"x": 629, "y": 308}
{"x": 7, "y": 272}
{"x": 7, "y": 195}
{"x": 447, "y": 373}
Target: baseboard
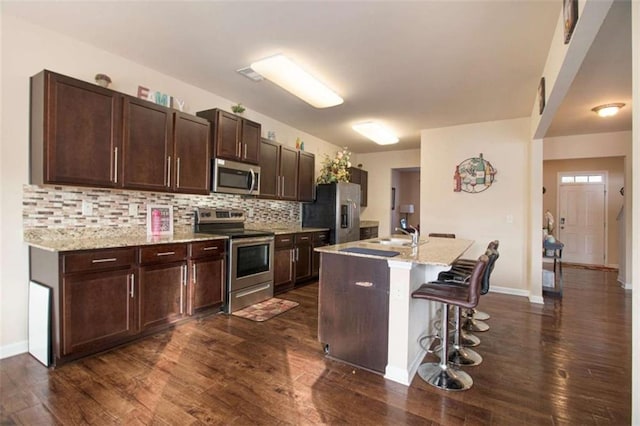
{"x": 536, "y": 299}
{"x": 626, "y": 286}
{"x": 510, "y": 291}
{"x": 13, "y": 349}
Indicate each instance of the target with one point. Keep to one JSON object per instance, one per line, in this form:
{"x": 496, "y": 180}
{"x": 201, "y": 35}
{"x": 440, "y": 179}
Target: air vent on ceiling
{"x": 250, "y": 74}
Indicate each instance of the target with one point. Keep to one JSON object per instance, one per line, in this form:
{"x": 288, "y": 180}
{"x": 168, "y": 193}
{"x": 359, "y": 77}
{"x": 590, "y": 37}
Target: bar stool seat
{"x": 443, "y": 374}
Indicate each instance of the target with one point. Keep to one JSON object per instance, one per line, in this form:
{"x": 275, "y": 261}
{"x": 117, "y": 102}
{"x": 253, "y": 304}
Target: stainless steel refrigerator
{"x": 337, "y": 207}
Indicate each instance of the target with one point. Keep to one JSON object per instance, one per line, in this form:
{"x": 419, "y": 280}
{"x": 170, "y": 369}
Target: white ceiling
{"x": 412, "y": 65}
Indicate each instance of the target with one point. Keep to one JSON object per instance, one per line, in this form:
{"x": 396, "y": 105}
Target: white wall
{"x": 497, "y": 213}
{"x": 379, "y": 166}
{"x": 26, "y": 50}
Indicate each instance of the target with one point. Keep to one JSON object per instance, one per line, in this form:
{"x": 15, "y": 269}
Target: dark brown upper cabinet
{"x": 234, "y": 137}
{"x": 83, "y": 134}
{"x": 191, "y": 154}
{"x": 360, "y": 177}
{"x": 75, "y": 132}
{"x": 306, "y": 171}
{"x": 279, "y": 171}
{"x": 147, "y": 147}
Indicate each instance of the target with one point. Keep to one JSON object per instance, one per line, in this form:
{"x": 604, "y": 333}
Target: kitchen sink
{"x": 402, "y": 242}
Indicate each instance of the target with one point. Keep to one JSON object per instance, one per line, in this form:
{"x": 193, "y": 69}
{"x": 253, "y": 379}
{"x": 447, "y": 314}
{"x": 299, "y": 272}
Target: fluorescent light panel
{"x": 286, "y": 74}
{"x": 376, "y": 132}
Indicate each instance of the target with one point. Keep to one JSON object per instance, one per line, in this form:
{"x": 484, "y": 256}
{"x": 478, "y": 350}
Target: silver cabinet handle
{"x": 297, "y": 253}
{"x": 115, "y": 165}
{"x": 304, "y": 238}
{"x": 166, "y": 253}
{"x": 178, "y": 172}
{"x": 282, "y": 186}
{"x": 111, "y": 259}
{"x": 169, "y": 171}
{"x": 133, "y": 286}
{"x": 182, "y": 270}
{"x": 245, "y": 150}
{"x": 364, "y": 283}
{"x": 210, "y": 248}
{"x": 285, "y": 240}
{"x": 194, "y": 274}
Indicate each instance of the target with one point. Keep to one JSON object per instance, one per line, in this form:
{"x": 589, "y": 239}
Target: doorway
{"x": 582, "y": 217}
{"x": 405, "y": 184}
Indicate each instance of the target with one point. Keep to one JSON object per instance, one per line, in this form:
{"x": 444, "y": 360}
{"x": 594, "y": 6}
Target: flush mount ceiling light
{"x": 286, "y": 74}
{"x": 607, "y": 110}
{"x": 376, "y": 132}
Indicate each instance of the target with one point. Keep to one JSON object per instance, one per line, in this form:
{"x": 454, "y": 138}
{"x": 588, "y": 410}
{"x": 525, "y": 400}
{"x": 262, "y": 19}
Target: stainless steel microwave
{"x": 235, "y": 178}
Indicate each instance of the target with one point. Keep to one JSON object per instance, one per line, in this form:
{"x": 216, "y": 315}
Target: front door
{"x": 582, "y": 220}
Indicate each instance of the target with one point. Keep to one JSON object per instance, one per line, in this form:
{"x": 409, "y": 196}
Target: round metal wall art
{"x": 474, "y": 175}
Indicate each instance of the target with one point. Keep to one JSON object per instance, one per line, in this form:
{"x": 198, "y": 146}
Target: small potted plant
{"x": 238, "y": 109}
{"x": 103, "y": 80}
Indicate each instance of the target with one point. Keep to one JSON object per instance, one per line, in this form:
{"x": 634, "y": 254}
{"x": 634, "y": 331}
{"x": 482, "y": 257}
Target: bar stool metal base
{"x": 469, "y": 340}
{"x": 471, "y": 324}
{"x": 478, "y": 315}
{"x": 462, "y": 357}
{"x": 445, "y": 377}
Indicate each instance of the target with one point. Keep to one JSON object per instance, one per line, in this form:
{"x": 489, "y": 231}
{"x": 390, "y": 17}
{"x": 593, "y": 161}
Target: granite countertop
{"x": 103, "y": 242}
{"x": 430, "y": 250}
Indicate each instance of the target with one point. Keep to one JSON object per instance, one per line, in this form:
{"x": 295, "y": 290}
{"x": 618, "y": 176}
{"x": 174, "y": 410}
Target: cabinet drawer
{"x": 164, "y": 253}
{"x": 321, "y": 238}
{"x": 98, "y": 260}
{"x": 305, "y": 237}
{"x": 284, "y": 241}
{"x": 207, "y": 248}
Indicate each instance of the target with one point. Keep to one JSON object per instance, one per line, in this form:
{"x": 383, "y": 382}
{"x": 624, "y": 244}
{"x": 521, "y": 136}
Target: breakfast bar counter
{"x": 366, "y": 316}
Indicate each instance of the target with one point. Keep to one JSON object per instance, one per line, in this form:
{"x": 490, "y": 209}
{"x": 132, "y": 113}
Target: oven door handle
{"x": 250, "y": 241}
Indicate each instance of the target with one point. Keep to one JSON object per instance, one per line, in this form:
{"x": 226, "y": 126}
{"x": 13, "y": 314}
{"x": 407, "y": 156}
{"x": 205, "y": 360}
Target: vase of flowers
{"x": 335, "y": 169}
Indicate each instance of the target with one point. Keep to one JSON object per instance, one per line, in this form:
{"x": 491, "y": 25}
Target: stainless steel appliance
{"x": 337, "y": 207}
{"x": 249, "y": 258}
{"x": 235, "y": 178}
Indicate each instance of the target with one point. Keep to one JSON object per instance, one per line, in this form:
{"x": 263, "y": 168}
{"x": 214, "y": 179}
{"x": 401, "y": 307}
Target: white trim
{"x": 510, "y": 291}
{"x": 536, "y": 299}
{"x": 626, "y": 286}
{"x": 13, "y": 349}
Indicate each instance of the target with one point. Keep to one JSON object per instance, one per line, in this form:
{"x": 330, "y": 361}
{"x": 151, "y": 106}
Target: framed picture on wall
{"x": 570, "y": 15}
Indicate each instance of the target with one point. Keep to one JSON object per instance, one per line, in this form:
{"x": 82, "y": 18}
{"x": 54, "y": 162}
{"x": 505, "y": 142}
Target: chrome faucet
{"x": 415, "y": 235}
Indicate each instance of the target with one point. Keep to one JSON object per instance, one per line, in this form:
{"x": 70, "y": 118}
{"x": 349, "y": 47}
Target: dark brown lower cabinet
{"x": 162, "y": 294}
{"x": 283, "y": 263}
{"x": 320, "y": 239}
{"x": 106, "y": 297}
{"x": 98, "y": 310}
{"x": 353, "y": 310}
{"x": 303, "y": 246}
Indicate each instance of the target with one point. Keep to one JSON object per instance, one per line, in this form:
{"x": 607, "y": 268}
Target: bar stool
{"x": 443, "y": 374}
{"x": 462, "y": 266}
{"x": 459, "y": 354}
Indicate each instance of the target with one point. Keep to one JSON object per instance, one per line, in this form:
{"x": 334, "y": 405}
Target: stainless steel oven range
{"x": 249, "y": 259}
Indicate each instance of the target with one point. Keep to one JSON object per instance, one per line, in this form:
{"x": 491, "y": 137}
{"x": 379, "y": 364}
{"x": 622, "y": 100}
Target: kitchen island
{"x": 366, "y": 316}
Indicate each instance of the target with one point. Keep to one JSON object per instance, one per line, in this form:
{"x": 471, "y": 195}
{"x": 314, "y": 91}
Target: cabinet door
{"x": 364, "y": 185}
{"x": 288, "y": 173}
{"x": 206, "y": 289}
{"x": 283, "y": 270}
{"x": 147, "y": 147}
{"x": 269, "y": 169}
{"x": 162, "y": 294}
{"x": 227, "y": 136}
{"x": 304, "y": 255}
{"x": 75, "y": 132}
{"x": 320, "y": 239}
{"x": 98, "y": 310}
{"x": 191, "y": 152}
{"x": 250, "y": 142}
{"x": 306, "y": 170}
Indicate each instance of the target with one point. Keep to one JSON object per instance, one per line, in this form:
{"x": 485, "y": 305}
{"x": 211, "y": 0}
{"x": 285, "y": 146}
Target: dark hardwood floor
{"x": 567, "y": 362}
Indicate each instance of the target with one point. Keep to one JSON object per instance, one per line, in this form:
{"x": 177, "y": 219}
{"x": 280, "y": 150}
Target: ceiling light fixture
{"x": 376, "y": 132}
{"x": 286, "y": 74}
{"x": 607, "y": 110}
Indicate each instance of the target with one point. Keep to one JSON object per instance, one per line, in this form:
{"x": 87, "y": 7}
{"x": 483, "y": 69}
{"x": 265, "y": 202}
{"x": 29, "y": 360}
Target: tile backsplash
{"x": 60, "y": 207}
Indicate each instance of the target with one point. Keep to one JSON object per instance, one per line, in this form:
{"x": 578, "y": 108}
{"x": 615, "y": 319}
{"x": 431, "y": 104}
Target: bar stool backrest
{"x": 475, "y": 282}
{"x": 492, "y": 255}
